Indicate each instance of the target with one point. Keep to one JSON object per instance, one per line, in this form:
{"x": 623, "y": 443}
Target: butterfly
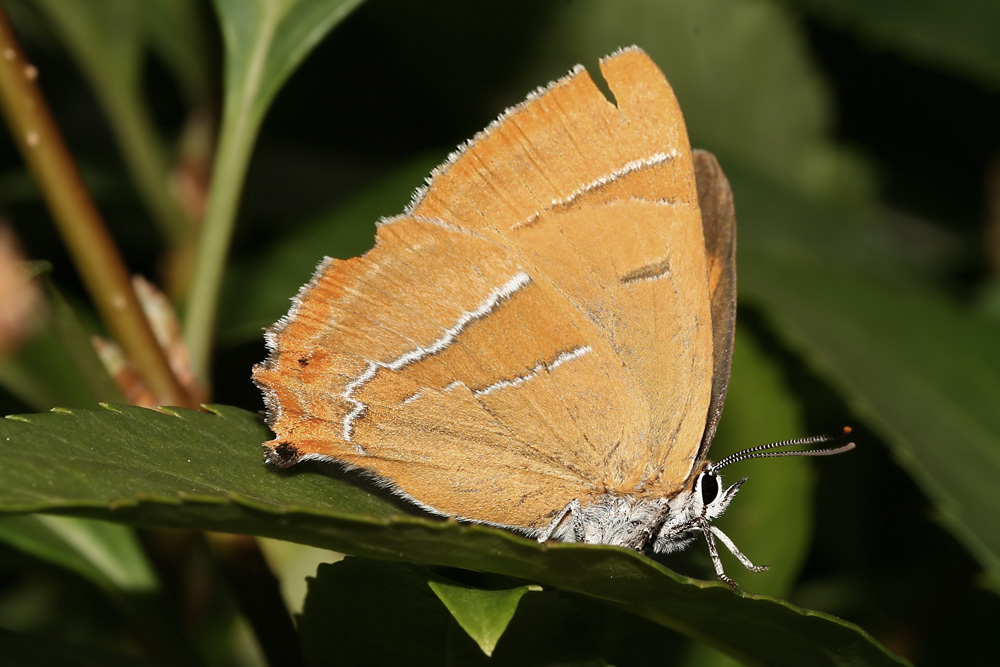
{"x": 542, "y": 340}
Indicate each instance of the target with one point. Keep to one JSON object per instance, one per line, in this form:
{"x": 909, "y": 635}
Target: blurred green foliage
{"x": 860, "y": 137}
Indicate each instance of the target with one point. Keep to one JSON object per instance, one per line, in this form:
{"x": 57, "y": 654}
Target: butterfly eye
{"x": 709, "y": 488}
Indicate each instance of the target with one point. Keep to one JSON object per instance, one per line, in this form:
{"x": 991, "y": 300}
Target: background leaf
{"x": 961, "y": 35}
{"x": 941, "y": 417}
{"x": 107, "y": 554}
{"x": 21, "y": 649}
{"x": 178, "y": 35}
{"x": 351, "y": 603}
{"x": 265, "y": 41}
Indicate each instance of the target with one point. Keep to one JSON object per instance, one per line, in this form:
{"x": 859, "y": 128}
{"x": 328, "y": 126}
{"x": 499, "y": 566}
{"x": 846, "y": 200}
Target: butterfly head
{"x": 693, "y": 510}
{"x": 709, "y": 497}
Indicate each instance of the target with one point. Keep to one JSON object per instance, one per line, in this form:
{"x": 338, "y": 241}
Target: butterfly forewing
{"x": 536, "y": 329}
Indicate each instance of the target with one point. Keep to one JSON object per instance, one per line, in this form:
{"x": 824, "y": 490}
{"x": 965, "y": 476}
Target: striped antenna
{"x": 761, "y": 451}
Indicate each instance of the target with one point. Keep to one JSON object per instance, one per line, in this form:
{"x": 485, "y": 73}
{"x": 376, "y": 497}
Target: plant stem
{"x": 241, "y": 120}
{"x": 230, "y": 166}
{"x": 265, "y": 42}
{"x": 116, "y": 85}
{"x": 96, "y": 257}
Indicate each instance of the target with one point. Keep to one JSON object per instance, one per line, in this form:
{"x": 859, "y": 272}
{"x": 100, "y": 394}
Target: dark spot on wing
{"x": 649, "y": 272}
{"x": 283, "y": 455}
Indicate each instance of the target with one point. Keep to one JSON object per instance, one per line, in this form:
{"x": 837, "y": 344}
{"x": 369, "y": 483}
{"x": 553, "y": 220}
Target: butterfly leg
{"x": 713, "y": 551}
{"x": 575, "y": 511}
{"x": 736, "y": 552}
{"x": 711, "y": 532}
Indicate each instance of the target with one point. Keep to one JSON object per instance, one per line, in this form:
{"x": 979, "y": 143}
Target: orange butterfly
{"x": 542, "y": 341}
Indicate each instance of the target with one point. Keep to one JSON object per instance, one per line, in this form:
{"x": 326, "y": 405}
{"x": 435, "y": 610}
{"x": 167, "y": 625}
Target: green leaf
{"x": 265, "y": 41}
{"x": 38, "y": 374}
{"x": 961, "y": 34}
{"x": 76, "y": 342}
{"x": 206, "y": 471}
{"x": 107, "y": 554}
{"x": 292, "y": 563}
{"x": 123, "y": 457}
{"x": 484, "y": 614}
{"x": 105, "y": 36}
{"x": 110, "y": 557}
